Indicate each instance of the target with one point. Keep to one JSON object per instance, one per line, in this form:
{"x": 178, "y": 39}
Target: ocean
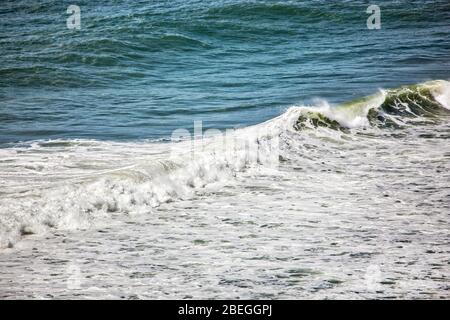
{"x": 224, "y": 149}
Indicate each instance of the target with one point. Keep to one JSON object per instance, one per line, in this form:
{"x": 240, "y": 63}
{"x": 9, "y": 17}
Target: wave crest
{"x": 417, "y": 104}
{"x": 72, "y": 184}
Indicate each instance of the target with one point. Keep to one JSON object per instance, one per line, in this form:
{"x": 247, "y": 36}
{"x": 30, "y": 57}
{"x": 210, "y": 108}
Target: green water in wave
{"x": 414, "y": 104}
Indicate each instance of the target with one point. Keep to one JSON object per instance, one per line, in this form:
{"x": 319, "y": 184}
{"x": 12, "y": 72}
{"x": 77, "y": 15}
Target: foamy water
{"x": 356, "y": 206}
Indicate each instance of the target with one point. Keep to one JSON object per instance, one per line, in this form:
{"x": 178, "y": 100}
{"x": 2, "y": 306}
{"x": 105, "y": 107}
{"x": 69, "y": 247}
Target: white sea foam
{"x": 71, "y": 184}
{"x": 442, "y": 93}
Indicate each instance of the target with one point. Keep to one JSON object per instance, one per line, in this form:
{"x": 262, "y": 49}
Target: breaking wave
{"x": 418, "y": 104}
{"x": 72, "y": 184}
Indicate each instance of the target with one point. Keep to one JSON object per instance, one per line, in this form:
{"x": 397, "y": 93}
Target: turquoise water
{"x": 140, "y": 69}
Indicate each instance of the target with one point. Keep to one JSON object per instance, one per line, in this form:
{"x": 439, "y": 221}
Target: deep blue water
{"x": 140, "y": 69}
